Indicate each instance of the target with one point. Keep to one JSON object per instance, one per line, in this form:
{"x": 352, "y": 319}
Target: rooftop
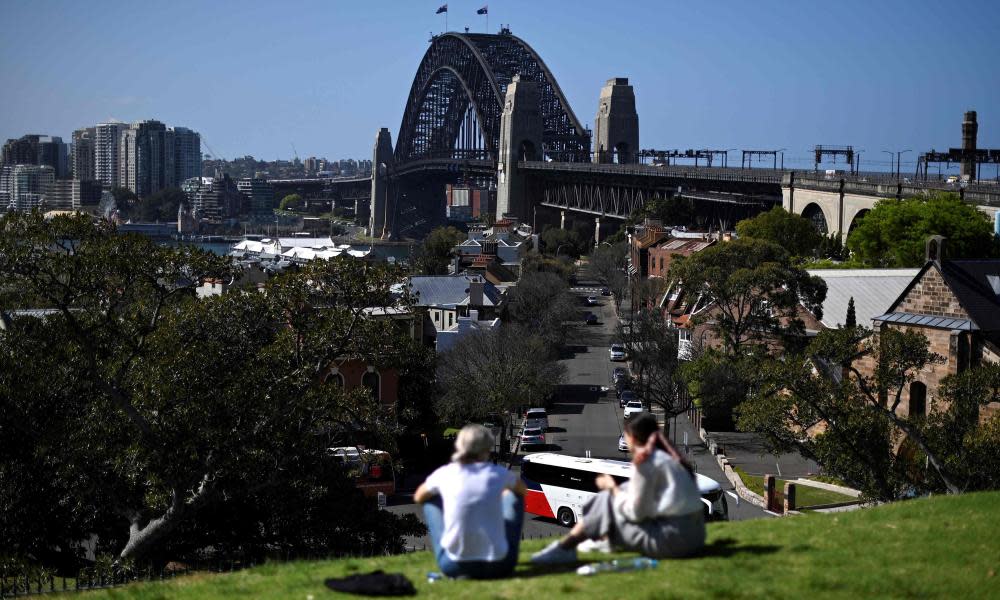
{"x": 873, "y": 290}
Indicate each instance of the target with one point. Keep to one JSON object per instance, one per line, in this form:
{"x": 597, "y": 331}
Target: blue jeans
{"x": 513, "y": 519}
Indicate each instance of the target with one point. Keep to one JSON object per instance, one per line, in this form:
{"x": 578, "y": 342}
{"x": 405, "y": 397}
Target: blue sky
{"x": 257, "y": 77}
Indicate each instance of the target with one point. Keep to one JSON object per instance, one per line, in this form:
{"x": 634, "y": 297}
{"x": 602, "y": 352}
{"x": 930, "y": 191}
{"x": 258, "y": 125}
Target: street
{"x": 585, "y": 416}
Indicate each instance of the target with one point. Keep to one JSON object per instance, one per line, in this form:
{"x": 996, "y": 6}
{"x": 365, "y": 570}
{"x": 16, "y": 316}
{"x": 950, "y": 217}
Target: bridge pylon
{"x": 380, "y": 218}
{"x": 521, "y": 131}
{"x": 616, "y": 126}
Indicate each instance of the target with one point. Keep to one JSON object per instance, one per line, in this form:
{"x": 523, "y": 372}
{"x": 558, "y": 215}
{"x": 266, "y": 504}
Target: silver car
{"x": 532, "y": 436}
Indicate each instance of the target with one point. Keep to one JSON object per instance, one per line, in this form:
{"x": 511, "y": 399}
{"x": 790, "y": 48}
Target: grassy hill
{"x": 937, "y": 547}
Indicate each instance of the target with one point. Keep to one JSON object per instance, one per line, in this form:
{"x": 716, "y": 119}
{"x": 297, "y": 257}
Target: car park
{"x": 617, "y": 352}
{"x": 625, "y": 397}
{"x": 536, "y": 418}
{"x": 532, "y": 436}
{"x": 632, "y": 408}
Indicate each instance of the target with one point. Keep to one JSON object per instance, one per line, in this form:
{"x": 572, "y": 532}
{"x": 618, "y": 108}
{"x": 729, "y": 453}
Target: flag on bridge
{"x": 484, "y": 10}
{"x": 441, "y": 9}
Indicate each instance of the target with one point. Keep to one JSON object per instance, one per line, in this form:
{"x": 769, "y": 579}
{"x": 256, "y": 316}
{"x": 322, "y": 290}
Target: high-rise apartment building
{"x": 106, "y": 146}
{"x": 84, "y": 160}
{"x": 33, "y": 149}
{"x": 187, "y": 154}
{"x": 23, "y": 187}
{"x": 146, "y": 158}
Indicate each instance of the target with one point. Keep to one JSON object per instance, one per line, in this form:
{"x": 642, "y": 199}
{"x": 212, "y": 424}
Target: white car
{"x": 622, "y": 444}
{"x": 532, "y": 436}
{"x": 633, "y": 408}
{"x": 617, "y": 352}
{"x": 536, "y": 417}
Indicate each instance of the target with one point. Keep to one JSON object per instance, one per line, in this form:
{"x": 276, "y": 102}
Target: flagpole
{"x": 446, "y": 18}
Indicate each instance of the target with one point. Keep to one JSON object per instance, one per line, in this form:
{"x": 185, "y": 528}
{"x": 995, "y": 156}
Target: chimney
{"x": 970, "y": 127}
{"x": 934, "y": 250}
{"x": 476, "y": 291}
{"x": 473, "y": 315}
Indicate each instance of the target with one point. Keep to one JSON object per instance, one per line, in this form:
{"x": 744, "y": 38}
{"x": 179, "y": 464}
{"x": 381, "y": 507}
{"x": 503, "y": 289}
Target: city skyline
{"x": 319, "y": 80}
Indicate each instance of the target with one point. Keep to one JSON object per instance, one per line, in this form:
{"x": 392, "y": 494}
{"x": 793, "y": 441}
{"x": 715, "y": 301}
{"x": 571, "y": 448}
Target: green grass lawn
{"x": 805, "y": 496}
{"x": 942, "y": 547}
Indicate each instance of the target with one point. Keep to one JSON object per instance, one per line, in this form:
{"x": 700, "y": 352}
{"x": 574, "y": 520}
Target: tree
{"x": 490, "y": 373}
{"x": 754, "y": 290}
{"x": 793, "y": 232}
{"x": 161, "y": 206}
{"x": 852, "y": 318}
{"x": 291, "y": 202}
{"x": 139, "y": 411}
{"x": 719, "y": 383}
{"x": 541, "y": 303}
{"x": 823, "y": 405}
{"x": 434, "y": 255}
{"x": 125, "y": 199}
{"x": 608, "y": 263}
{"x": 895, "y": 232}
{"x": 562, "y": 242}
{"x": 538, "y": 263}
{"x": 651, "y": 343}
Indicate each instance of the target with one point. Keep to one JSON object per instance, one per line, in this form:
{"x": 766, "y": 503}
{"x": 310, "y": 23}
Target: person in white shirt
{"x": 474, "y": 510}
{"x": 658, "y": 513}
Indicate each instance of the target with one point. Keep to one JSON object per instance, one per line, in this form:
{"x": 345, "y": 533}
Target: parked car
{"x": 605, "y": 291}
{"x": 622, "y": 445}
{"x": 633, "y": 408}
{"x": 532, "y": 436}
{"x": 618, "y": 373}
{"x": 617, "y": 352}
{"x": 625, "y": 397}
{"x": 592, "y": 301}
{"x": 590, "y": 319}
{"x": 536, "y": 417}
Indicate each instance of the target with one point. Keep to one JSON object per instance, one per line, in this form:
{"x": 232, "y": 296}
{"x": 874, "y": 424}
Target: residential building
{"x": 87, "y": 194}
{"x": 505, "y": 241}
{"x": 23, "y": 187}
{"x": 463, "y": 326}
{"x": 58, "y": 194}
{"x": 107, "y": 144}
{"x": 872, "y": 290}
{"x": 84, "y": 158}
{"x": 466, "y": 203}
{"x": 259, "y": 193}
{"x": 214, "y": 199}
{"x": 39, "y": 150}
{"x": 659, "y": 256}
{"x": 187, "y": 154}
{"x": 955, "y": 304}
{"x": 146, "y": 158}
{"x": 644, "y": 236}
{"x": 445, "y": 298}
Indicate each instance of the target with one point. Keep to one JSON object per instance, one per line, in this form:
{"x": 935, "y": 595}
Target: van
{"x": 536, "y": 418}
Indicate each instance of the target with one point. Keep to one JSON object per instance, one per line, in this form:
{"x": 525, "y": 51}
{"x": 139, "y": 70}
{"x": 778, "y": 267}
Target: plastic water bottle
{"x": 434, "y": 576}
{"x": 634, "y": 564}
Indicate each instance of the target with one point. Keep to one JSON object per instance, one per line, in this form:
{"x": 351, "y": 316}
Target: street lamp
{"x": 781, "y": 151}
{"x": 898, "y": 160}
{"x": 891, "y": 156}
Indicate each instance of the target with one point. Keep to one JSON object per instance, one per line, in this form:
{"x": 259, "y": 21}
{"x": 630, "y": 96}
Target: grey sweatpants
{"x": 664, "y": 537}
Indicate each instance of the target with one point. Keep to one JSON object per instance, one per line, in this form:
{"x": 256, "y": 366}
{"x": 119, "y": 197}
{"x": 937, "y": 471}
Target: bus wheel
{"x": 566, "y": 517}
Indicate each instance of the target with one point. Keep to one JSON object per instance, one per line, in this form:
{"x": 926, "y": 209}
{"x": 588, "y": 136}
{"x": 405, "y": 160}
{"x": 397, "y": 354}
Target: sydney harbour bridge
{"x": 484, "y": 109}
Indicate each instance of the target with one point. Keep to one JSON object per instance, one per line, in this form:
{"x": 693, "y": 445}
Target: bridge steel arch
{"x": 456, "y": 100}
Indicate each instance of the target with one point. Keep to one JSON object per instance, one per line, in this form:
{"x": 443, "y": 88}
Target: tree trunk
{"x": 142, "y": 539}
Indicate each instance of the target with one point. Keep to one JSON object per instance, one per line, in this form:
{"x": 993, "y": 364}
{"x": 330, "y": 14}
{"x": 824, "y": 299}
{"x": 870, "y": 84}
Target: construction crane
{"x": 295, "y": 152}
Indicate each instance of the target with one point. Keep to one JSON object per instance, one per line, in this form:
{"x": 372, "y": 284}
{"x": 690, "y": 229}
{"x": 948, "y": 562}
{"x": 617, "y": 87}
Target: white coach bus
{"x": 559, "y": 486}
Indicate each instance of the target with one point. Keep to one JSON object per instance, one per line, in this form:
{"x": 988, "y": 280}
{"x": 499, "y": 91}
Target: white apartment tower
{"x": 106, "y": 146}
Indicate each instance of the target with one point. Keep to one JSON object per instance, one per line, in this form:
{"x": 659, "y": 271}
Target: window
{"x": 371, "y": 380}
{"x": 918, "y": 399}
{"x": 335, "y": 379}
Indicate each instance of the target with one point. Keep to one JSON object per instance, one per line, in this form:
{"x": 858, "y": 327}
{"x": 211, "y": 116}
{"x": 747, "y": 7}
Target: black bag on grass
{"x": 376, "y": 583}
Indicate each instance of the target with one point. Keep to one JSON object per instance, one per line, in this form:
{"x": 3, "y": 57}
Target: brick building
{"x": 956, "y": 305}
{"x": 641, "y": 240}
{"x": 661, "y": 255}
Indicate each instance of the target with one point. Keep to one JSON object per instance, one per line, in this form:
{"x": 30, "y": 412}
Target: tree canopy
{"x": 821, "y": 404}
{"x": 793, "y": 232}
{"x": 291, "y": 202}
{"x": 167, "y": 424}
{"x": 161, "y": 206}
{"x": 754, "y": 290}
{"x": 541, "y": 303}
{"x": 563, "y": 242}
{"x": 434, "y": 255}
{"x": 894, "y": 233}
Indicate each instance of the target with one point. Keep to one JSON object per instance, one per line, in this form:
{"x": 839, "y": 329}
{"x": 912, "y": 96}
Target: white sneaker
{"x": 554, "y": 554}
{"x": 603, "y": 546}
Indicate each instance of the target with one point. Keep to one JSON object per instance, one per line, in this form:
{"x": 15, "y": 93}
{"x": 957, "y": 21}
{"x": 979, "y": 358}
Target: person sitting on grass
{"x": 658, "y": 513}
{"x": 474, "y": 510}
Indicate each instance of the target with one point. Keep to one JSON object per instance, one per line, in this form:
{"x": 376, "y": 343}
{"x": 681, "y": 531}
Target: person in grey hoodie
{"x": 657, "y": 513}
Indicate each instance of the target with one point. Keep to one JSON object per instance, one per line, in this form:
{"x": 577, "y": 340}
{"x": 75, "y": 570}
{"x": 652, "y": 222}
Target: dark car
{"x": 590, "y": 319}
{"x": 626, "y": 397}
{"x": 605, "y": 291}
{"x": 618, "y": 373}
